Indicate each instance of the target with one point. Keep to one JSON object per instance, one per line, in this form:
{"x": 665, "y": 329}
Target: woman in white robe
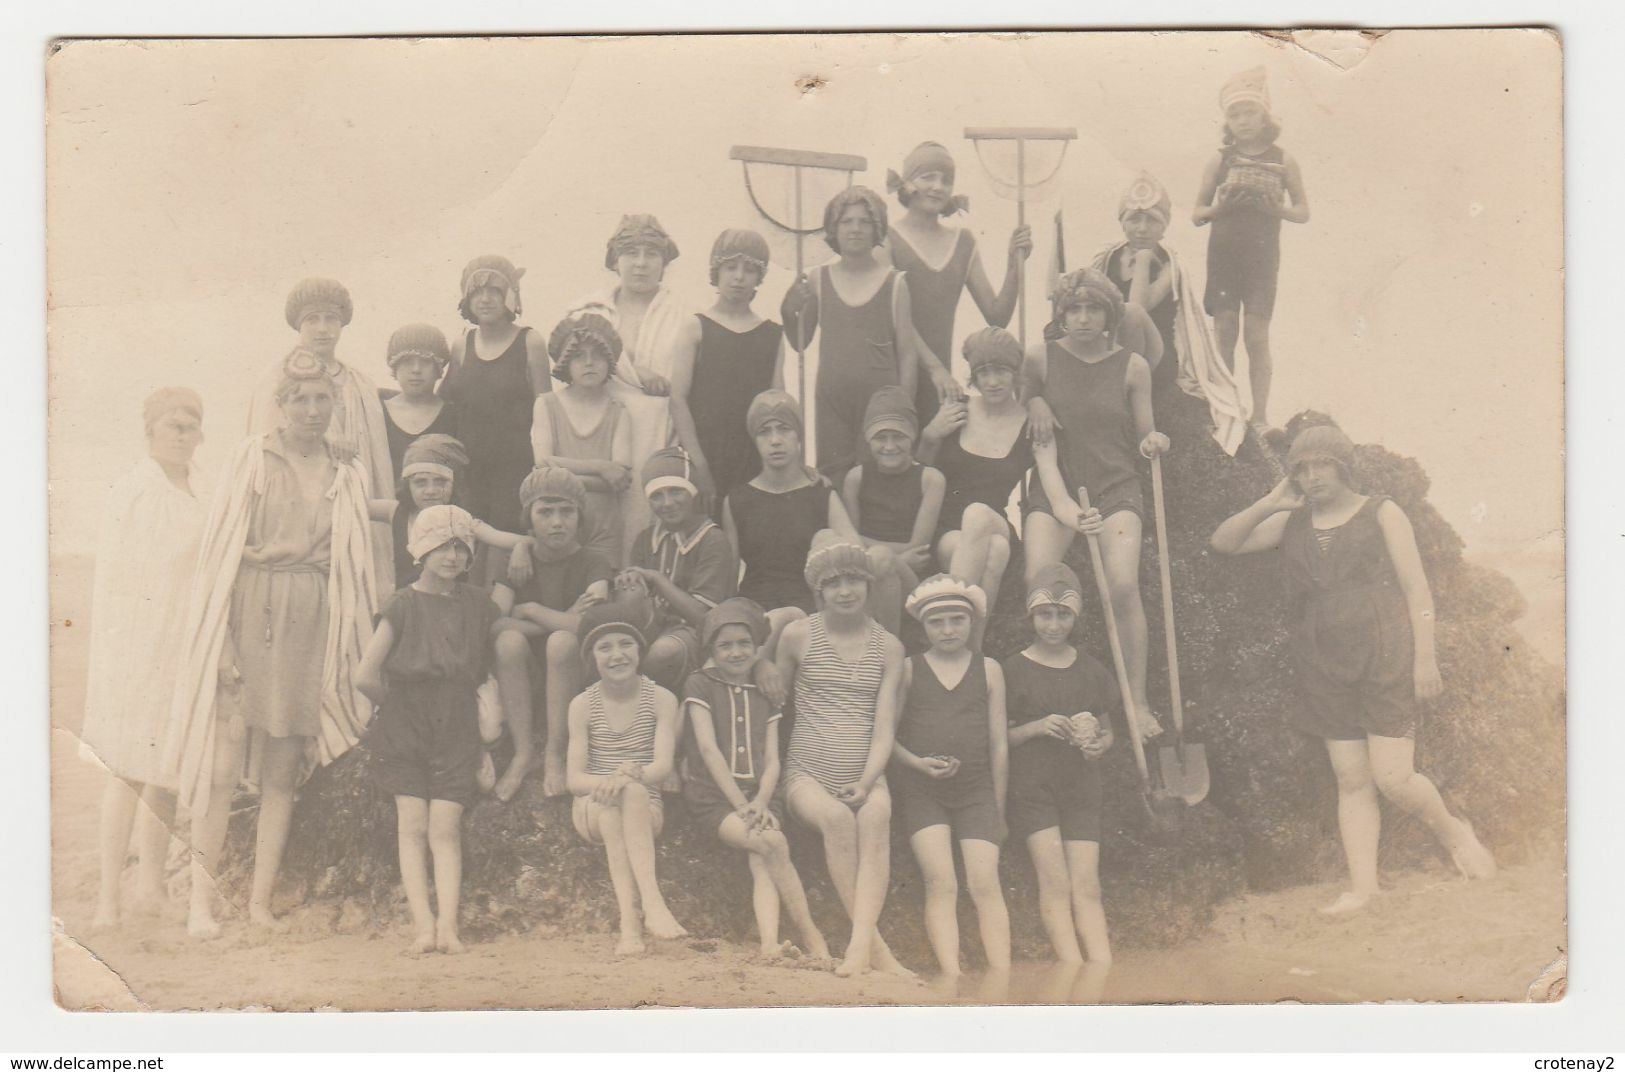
{"x": 152, "y": 524}
{"x": 647, "y": 316}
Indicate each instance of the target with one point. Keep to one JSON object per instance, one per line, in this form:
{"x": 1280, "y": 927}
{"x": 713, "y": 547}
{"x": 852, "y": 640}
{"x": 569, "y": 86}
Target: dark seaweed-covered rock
{"x": 1494, "y": 744}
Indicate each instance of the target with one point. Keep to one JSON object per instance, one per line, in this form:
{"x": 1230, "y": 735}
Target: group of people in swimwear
{"x": 607, "y": 561}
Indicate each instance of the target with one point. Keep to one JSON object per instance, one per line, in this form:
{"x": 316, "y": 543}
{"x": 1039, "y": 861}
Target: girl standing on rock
{"x": 860, "y": 306}
{"x": 1249, "y": 187}
{"x": 724, "y": 357}
{"x": 417, "y": 357}
{"x": 430, "y": 651}
{"x": 496, "y": 372}
{"x": 585, "y": 351}
{"x": 280, "y": 610}
{"x": 941, "y": 262}
{"x": 1362, "y": 645}
{"x": 1097, "y": 394}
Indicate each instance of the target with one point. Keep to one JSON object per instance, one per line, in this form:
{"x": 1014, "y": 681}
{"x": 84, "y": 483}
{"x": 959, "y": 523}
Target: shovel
{"x": 1183, "y": 766}
{"x": 1155, "y": 802}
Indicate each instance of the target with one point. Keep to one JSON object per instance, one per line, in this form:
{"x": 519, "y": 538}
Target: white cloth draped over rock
{"x": 358, "y": 426}
{"x": 352, "y": 600}
{"x": 650, "y": 414}
{"x": 1202, "y": 371}
{"x": 145, "y": 559}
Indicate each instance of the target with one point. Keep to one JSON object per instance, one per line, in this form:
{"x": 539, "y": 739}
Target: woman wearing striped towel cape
{"x": 281, "y": 607}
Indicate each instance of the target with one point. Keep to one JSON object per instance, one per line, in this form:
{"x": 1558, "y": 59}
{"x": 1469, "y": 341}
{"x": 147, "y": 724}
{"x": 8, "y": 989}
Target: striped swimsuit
{"x": 835, "y": 709}
{"x": 608, "y": 748}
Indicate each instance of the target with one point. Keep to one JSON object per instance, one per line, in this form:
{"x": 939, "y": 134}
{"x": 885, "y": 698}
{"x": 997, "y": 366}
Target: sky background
{"x": 192, "y": 183}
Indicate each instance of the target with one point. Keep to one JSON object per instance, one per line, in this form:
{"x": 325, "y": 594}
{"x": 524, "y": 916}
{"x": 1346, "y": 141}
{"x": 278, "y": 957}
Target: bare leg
{"x": 412, "y": 833}
{"x": 886, "y": 592}
{"x": 1083, "y": 871}
{"x": 764, "y": 900}
{"x": 1359, "y": 821}
{"x": 640, "y": 822}
{"x": 1261, "y": 367}
{"x": 666, "y": 663}
{"x": 1393, "y": 769}
{"x": 986, "y": 893}
{"x": 838, "y": 826}
{"x": 155, "y": 818}
{"x": 1047, "y": 542}
{"x": 869, "y": 892}
{"x": 446, "y": 842}
{"x": 282, "y": 758}
{"x": 209, "y": 827}
{"x": 979, "y": 553}
{"x": 774, "y": 851}
{"x": 119, "y": 800}
{"x": 1054, "y": 894}
{"x": 512, "y": 657}
{"x": 606, "y": 823}
{"x": 1120, "y": 551}
{"x": 934, "y": 850}
{"x": 563, "y": 678}
{"x": 1227, "y": 326}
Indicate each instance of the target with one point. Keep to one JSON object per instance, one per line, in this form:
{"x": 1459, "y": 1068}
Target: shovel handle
{"x": 1168, "y": 604}
{"x": 1117, "y": 648}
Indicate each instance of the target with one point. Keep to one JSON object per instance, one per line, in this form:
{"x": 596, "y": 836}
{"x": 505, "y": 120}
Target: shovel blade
{"x": 1188, "y": 779}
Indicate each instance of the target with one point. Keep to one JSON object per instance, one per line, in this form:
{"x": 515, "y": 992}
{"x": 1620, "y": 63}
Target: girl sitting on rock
{"x": 623, "y": 738}
{"x": 1362, "y": 644}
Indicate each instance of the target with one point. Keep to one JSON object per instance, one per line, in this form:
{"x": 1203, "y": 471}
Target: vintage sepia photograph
{"x": 807, "y": 519}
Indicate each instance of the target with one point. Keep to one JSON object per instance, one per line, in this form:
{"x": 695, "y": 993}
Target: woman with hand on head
{"x": 147, "y": 551}
{"x": 1362, "y": 646}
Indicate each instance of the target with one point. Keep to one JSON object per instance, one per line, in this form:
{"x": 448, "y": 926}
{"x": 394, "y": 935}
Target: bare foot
{"x": 773, "y": 953}
{"x": 1348, "y": 903}
{"x": 450, "y": 943}
{"x": 630, "y": 945}
{"x": 202, "y": 926}
{"x": 554, "y": 783}
{"x": 851, "y": 967}
{"x": 1472, "y": 859}
{"x": 892, "y": 966}
{"x": 264, "y": 920}
{"x": 947, "y": 984}
{"x": 423, "y": 943}
{"x": 663, "y": 925}
{"x": 511, "y": 780}
{"x": 817, "y": 948}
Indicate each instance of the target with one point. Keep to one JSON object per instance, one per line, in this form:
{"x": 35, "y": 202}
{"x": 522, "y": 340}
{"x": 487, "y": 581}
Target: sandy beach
{"x": 1431, "y": 937}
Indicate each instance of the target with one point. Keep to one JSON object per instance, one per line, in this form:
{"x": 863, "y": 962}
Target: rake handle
{"x": 1117, "y": 648}
{"x": 1168, "y": 603}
